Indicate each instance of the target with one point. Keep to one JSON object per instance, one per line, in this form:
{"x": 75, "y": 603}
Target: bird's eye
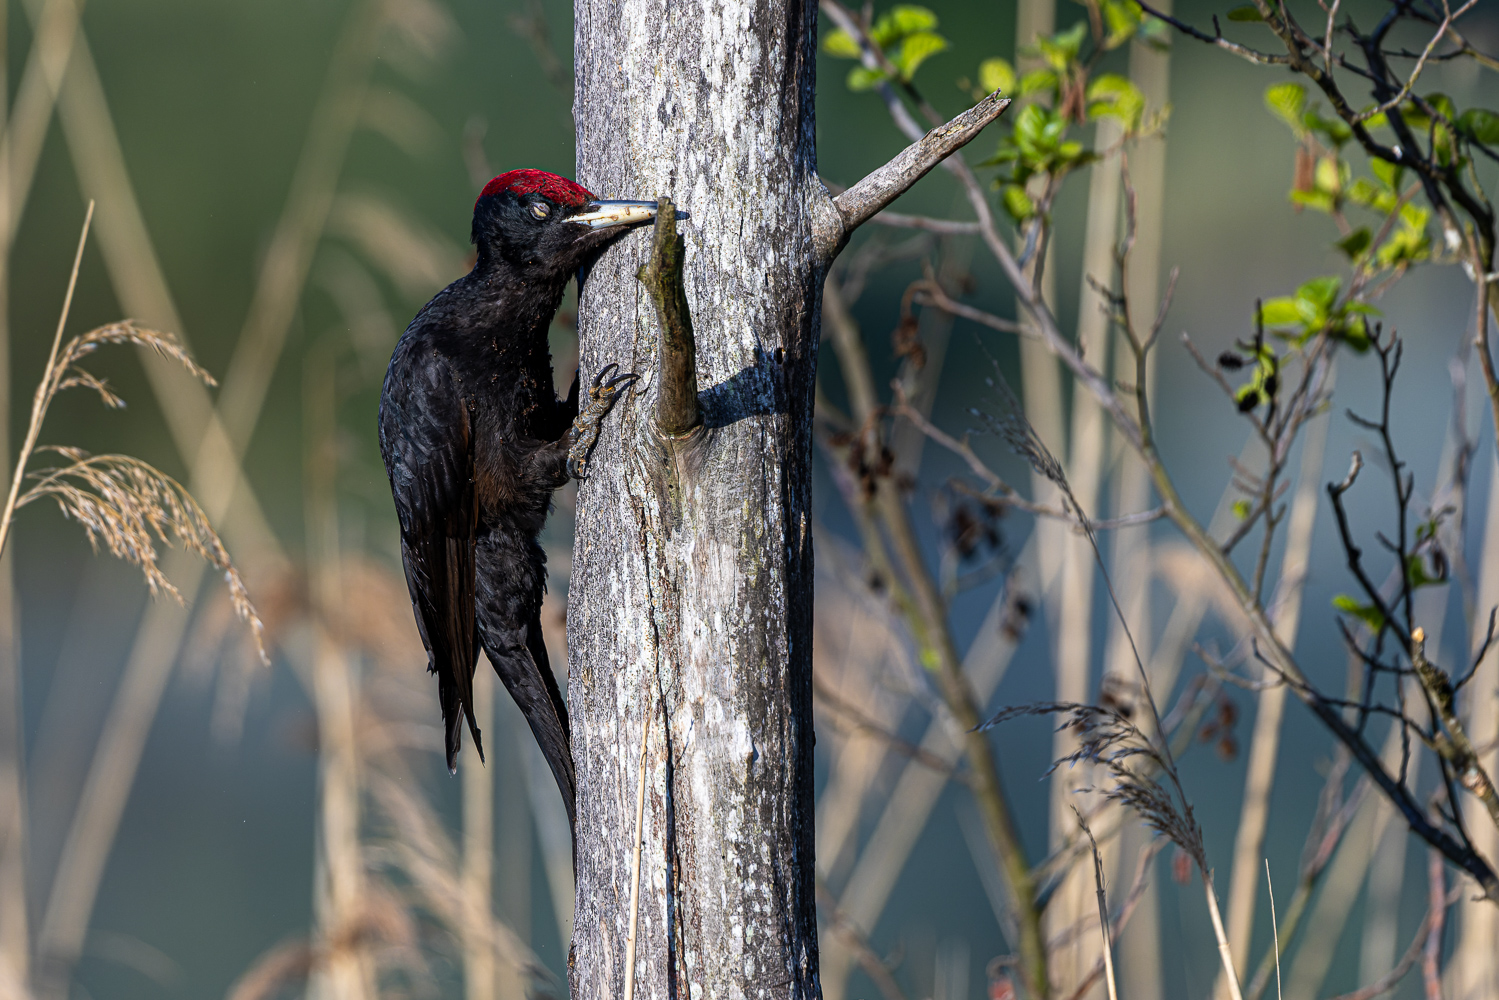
{"x": 541, "y": 210}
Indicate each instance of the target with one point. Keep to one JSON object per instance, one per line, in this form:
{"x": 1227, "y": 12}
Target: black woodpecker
{"x": 475, "y": 440}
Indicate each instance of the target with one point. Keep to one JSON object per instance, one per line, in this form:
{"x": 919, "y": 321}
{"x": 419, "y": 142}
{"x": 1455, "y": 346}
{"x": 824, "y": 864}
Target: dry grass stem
{"x": 1103, "y": 909}
{"x": 121, "y": 501}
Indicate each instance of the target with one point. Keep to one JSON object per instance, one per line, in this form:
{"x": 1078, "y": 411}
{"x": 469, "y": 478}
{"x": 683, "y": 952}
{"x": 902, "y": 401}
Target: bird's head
{"x": 531, "y": 219}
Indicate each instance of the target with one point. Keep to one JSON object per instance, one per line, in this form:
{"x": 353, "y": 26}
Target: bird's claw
{"x": 606, "y": 388}
{"x": 602, "y": 396}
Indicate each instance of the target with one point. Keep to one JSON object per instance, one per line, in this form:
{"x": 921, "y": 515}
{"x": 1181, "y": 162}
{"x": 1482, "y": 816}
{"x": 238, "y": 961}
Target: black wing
{"x": 427, "y": 444}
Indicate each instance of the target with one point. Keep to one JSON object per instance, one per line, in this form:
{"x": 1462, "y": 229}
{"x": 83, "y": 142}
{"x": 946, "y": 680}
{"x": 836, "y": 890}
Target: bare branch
{"x": 1452, "y": 743}
{"x": 1404, "y": 91}
{"x": 1217, "y": 39}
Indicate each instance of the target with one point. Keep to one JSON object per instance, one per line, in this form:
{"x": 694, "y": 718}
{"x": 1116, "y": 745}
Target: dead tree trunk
{"x": 690, "y": 608}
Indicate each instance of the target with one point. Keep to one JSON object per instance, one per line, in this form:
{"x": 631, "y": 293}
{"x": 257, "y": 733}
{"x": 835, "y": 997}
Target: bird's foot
{"x": 602, "y": 396}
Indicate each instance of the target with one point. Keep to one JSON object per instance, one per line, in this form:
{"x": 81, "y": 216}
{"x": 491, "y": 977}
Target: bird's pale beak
{"x": 608, "y": 214}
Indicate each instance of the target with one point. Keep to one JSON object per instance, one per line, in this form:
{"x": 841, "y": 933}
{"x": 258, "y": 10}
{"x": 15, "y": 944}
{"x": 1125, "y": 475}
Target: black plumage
{"x": 475, "y": 440}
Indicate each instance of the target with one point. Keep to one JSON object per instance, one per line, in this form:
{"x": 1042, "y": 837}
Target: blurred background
{"x": 282, "y": 185}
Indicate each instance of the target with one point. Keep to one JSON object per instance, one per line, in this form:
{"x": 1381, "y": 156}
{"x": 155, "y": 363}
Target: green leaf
{"x": 915, "y": 50}
{"x": 1415, "y": 117}
{"x": 1280, "y": 311}
{"x": 1320, "y": 292}
{"x": 1409, "y": 243}
{"x": 1354, "y": 333}
{"x": 1286, "y": 101}
{"x": 1415, "y": 572}
{"x": 909, "y": 18}
{"x": 1122, "y": 19}
{"x": 1246, "y": 12}
{"x": 1328, "y": 175}
{"x": 1389, "y": 174}
{"x": 1017, "y": 202}
{"x": 1241, "y": 509}
{"x": 1415, "y": 216}
{"x": 841, "y": 45}
{"x": 1335, "y": 129}
{"x": 1364, "y": 192}
{"x": 1113, "y": 96}
{"x": 900, "y": 21}
{"x": 1355, "y": 243}
{"x": 1007, "y": 153}
{"x": 860, "y": 78}
{"x": 1480, "y": 126}
{"x": 996, "y": 74}
{"x": 1318, "y": 201}
{"x": 1443, "y": 105}
{"x": 1062, "y": 48}
{"x": 1030, "y": 125}
{"x": 1366, "y": 613}
{"x": 1037, "y": 80}
{"x": 1070, "y": 152}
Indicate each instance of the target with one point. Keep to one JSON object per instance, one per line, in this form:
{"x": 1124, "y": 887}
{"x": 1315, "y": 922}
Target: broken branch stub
{"x": 676, "y": 395}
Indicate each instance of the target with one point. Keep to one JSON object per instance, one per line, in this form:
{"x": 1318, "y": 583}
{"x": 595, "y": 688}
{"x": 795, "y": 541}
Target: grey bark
{"x": 691, "y": 592}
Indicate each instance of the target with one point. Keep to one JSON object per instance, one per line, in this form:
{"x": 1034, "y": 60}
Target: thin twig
{"x": 944, "y": 227}
{"x": 1404, "y": 92}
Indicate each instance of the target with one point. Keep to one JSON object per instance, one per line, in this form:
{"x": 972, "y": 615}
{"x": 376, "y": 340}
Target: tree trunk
{"x": 690, "y": 607}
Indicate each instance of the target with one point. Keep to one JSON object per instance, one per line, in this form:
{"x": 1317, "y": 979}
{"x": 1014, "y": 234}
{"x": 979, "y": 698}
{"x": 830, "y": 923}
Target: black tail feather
{"x": 527, "y": 674}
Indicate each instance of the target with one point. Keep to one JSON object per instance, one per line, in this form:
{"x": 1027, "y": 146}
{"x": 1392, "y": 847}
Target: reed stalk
{"x": 1073, "y": 631}
{"x": 46, "y": 390}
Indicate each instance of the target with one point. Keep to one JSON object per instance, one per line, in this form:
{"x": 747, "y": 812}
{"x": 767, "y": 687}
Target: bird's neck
{"x": 522, "y": 298}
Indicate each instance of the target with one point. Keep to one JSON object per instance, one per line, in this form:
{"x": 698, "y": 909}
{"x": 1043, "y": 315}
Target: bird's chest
{"x": 512, "y": 411}
{"x": 508, "y": 395}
